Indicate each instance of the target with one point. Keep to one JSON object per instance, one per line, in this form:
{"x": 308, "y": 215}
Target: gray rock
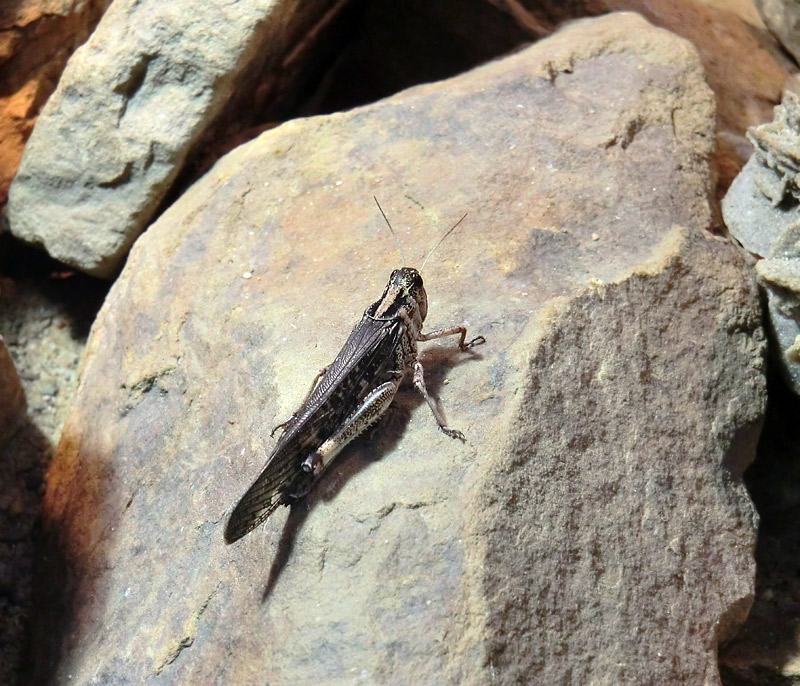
{"x": 781, "y": 277}
{"x": 761, "y": 210}
{"x": 762, "y": 200}
{"x": 750, "y": 215}
{"x": 130, "y": 105}
{"x": 36, "y": 39}
{"x": 776, "y": 146}
{"x": 785, "y": 334}
{"x": 592, "y": 529}
{"x": 782, "y": 17}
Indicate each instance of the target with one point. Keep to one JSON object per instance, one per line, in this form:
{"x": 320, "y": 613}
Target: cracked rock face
{"x": 776, "y": 145}
{"x": 762, "y": 210}
{"x": 592, "y": 529}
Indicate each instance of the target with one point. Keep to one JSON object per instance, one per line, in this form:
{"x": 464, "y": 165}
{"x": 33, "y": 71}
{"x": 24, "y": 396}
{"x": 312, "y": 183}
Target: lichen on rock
{"x": 762, "y": 210}
{"x": 777, "y": 147}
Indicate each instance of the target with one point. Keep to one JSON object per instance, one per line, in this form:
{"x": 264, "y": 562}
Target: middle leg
{"x": 452, "y": 331}
{"x": 419, "y": 383}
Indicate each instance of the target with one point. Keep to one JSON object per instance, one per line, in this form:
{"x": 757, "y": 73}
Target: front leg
{"x": 419, "y": 383}
{"x": 452, "y": 331}
{"x": 365, "y": 415}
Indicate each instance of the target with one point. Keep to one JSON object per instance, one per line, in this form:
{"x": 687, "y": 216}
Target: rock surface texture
{"x": 36, "y": 39}
{"x": 782, "y": 17}
{"x": 122, "y": 134}
{"x": 746, "y": 89}
{"x": 592, "y": 529}
{"x": 129, "y": 107}
{"x": 12, "y": 397}
{"x": 762, "y": 210}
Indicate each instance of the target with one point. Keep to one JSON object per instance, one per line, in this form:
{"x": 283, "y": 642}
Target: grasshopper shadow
{"x": 368, "y": 449}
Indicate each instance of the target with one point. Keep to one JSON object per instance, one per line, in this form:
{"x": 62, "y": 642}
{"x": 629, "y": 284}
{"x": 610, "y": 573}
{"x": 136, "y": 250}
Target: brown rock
{"x": 593, "y": 529}
{"x": 12, "y": 396}
{"x": 36, "y": 39}
{"x": 398, "y": 34}
{"x": 608, "y": 455}
{"x": 746, "y": 89}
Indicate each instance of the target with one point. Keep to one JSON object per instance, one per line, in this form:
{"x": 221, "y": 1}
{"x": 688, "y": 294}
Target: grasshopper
{"x": 349, "y": 395}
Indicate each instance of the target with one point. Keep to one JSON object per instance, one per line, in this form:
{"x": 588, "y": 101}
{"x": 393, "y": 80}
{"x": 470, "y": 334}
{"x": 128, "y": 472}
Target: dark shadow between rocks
{"x": 8, "y": 11}
{"x": 78, "y": 295}
{"x": 787, "y": 203}
{"x": 364, "y": 451}
{"x": 23, "y": 461}
{"x": 68, "y": 560}
{"x": 767, "y": 641}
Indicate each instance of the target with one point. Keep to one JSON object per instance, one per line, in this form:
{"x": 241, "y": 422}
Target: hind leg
{"x": 365, "y": 415}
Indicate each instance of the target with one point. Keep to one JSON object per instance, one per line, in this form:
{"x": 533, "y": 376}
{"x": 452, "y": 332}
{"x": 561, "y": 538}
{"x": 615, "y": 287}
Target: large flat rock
{"x": 592, "y": 529}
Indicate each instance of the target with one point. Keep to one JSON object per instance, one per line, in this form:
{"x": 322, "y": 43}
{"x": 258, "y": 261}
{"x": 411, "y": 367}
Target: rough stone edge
{"x": 12, "y": 396}
{"x": 248, "y": 62}
{"x": 474, "y": 635}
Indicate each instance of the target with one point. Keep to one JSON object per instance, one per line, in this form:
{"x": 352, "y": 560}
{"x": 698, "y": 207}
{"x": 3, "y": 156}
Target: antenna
{"x": 394, "y": 235}
{"x": 453, "y": 228}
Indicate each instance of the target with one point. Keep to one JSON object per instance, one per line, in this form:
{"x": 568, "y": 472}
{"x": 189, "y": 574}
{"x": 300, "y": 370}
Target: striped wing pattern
{"x": 364, "y": 362}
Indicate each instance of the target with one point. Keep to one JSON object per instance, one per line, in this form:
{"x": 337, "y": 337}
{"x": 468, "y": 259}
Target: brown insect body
{"x": 349, "y": 395}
